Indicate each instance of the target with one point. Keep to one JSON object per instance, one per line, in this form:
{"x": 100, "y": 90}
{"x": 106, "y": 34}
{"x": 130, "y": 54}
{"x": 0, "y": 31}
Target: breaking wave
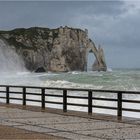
{"x": 9, "y": 60}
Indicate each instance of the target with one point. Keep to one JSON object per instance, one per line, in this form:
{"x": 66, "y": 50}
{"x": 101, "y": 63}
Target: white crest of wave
{"x": 67, "y": 84}
{"x": 9, "y": 59}
{"x": 109, "y": 70}
{"x": 75, "y": 72}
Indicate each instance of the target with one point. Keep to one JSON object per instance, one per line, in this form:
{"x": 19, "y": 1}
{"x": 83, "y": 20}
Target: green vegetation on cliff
{"x": 19, "y": 36}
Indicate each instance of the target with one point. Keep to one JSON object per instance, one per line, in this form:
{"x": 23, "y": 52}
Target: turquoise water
{"x": 115, "y": 79}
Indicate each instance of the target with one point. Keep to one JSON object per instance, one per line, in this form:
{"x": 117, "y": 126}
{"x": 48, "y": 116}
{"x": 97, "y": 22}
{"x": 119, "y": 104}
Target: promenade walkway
{"x": 33, "y": 123}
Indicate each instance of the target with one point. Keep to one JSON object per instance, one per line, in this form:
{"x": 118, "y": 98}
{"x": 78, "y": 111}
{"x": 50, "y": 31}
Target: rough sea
{"x": 117, "y": 79}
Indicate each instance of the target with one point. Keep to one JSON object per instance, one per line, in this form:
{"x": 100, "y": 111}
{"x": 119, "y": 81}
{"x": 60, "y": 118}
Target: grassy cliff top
{"x": 19, "y": 36}
{"x": 32, "y": 30}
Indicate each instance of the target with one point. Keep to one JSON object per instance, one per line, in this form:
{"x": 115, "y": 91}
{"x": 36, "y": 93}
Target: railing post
{"x": 43, "y": 98}
{"x": 119, "y": 112}
{"x": 7, "y": 95}
{"x": 64, "y": 100}
{"x": 24, "y": 95}
{"x": 89, "y": 101}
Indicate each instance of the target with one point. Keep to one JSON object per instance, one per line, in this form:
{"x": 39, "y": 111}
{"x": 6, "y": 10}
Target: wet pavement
{"x": 68, "y": 126}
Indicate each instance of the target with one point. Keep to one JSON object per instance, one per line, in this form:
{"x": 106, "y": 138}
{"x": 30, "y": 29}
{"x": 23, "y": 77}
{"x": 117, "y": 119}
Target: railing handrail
{"x": 74, "y": 89}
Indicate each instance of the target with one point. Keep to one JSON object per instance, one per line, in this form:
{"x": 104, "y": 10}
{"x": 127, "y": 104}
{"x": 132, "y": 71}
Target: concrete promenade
{"x": 33, "y": 123}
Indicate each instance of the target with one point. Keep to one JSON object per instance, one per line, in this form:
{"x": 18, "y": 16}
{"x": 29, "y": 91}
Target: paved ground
{"x": 49, "y": 124}
{"x": 7, "y": 132}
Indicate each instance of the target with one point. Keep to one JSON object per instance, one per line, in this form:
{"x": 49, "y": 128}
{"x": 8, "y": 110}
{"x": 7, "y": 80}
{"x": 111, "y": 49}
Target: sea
{"x": 117, "y": 79}
{"x": 113, "y": 79}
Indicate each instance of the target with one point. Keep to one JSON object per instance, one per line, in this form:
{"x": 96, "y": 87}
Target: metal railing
{"x": 65, "y": 96}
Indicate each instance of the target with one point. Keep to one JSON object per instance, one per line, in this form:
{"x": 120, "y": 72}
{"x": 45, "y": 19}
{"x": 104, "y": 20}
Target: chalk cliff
{"x": 61, "y": 49}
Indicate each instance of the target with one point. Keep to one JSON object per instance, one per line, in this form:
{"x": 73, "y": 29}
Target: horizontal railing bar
{"x": 2, "y": 91}
{"x": 33, "y": 100}
{"x": 11, "y": 98}
{"x": 130, "y": 101}
{"x": 131, "y": 110}
{"x": 74, "y": 104}
{"x": 104, "y": 107}
{"x": 77, "y": 97}
{"x": 130, "y": 92}
{"x": 51, "y": 102}
{"x": 3, "y": 97}
{"x": 15, "y": 92}
{"x": 104, "y": 99}
{"x": 29, "y": 93}
{"x": 74, "y": 89}
{"x": 53, "y": 95}
{"x": 14, "y": 86}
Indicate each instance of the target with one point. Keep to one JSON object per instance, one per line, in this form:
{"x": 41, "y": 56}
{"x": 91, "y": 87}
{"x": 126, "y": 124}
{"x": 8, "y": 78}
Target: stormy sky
{"x": 115, "y": 25}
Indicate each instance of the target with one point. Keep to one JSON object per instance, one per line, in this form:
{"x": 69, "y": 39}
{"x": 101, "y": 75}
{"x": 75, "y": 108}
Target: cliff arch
{"x": 99, "y": 63}
{"x": 90, "y": 60}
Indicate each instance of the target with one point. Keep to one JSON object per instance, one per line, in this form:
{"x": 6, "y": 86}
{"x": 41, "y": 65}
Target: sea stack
{"x": 58, "y": 50}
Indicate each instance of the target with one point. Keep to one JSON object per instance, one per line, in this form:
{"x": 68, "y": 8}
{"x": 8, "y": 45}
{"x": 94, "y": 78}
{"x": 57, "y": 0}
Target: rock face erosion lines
{"x": 59, "y": 50}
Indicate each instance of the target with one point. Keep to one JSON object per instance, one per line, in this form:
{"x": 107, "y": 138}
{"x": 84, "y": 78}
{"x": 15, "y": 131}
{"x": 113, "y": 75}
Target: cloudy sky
{"x": 113, "y": 24}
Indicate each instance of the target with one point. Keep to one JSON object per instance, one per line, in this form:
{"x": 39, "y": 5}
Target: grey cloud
{"x": 54, "y": 13}
{"x": 113, "y": 24}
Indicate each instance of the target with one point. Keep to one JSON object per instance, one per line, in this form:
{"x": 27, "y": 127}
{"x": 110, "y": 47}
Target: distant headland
{"x": 59, "y": 50}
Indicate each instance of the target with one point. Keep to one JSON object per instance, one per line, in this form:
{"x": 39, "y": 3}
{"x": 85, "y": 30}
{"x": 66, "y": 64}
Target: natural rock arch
{"x": 99, "y": 64}
{"x": 90, "y": 60}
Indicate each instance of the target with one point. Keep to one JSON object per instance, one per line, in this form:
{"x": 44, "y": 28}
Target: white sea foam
{"x": 75, "y": 72}
{"x": 109, "y": 70}
{"x": 67, "y": 84}
{"x": 9, "y": 60}
{"x": 23, "y": 73}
